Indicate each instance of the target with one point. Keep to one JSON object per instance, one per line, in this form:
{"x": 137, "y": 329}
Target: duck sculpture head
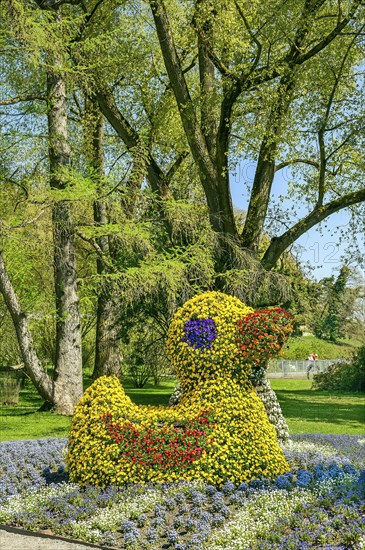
{"x": 214, "y": 334}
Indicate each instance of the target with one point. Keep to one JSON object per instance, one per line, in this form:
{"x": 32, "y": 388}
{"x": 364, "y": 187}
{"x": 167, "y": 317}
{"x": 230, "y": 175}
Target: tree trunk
{"x": 32, "y": 364}
{"x": 48, "y": 388}
{"x": 68, "y": 367}
{"x": 107, "y": 339}
{"x": 107, "y": 345}
{"x": 265, "y": 170}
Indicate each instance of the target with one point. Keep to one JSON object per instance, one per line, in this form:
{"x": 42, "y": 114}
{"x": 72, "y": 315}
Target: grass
{"x": 306, "y": 410}
{"x": 314, "y": 411}
{"x": 300, "y": 347}
{"x": 22, "y": 421}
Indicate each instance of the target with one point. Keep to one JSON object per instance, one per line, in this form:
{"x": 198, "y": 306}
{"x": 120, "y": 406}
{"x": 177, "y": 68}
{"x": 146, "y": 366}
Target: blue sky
{"x": 320, "y": 250}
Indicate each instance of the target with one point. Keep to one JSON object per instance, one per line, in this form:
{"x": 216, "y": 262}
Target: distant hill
{"x": 300, "y": 347}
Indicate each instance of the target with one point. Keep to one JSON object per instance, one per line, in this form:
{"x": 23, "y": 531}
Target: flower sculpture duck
{"x": 219, "y": 431}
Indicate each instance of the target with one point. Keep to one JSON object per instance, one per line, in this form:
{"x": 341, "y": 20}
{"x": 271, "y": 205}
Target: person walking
{"x": 312, "y": 358}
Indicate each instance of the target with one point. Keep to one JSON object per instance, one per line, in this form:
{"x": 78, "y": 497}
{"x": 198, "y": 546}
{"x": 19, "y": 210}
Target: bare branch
{"x": 22, "y": 99}
{"x": 296, "y": 161}
{"x": 97, "y": 249}
{"x": 279, "y": 244}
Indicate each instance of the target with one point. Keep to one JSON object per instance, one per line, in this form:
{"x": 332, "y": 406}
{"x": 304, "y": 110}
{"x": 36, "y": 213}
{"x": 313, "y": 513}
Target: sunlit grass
{"x": 315, "y": 411}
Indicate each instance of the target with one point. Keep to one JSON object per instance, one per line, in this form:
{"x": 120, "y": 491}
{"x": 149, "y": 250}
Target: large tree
{"x": 187, "y": 91}
{"x": 277, "y": 83}
{"x": 271, "y": 61}
{"x": 64, "y": 388}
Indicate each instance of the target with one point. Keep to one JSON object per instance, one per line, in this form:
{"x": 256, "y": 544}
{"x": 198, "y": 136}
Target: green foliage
{"x": 331, "y": 323}
{"x": 343, "y": 375}
{"x": 300, "y": 347}
{"x": 162, "y": 251}
{"x": 143, "y": 352}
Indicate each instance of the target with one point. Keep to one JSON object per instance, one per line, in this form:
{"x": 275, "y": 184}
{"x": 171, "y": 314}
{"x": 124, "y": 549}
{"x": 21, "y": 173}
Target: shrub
{"x": 346, "y": 375}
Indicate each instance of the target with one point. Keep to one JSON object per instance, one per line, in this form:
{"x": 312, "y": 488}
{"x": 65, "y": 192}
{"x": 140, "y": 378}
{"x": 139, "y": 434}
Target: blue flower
{"x": 179, "y": 498}
{"x": 195, "y": 542}
{"x": 160, "y": 511}
{"x": 130, "y": 538}
{"x": 303, "y": 478}
{"x": 236, "y": 499}
{"x": 283, "y": 482}
{"x": 158, "y": 522}
{"x": 206, "y": 517}
{"x": 151, "y": 535}
{"x": 217, "y": 501}
{"x": 190, "y": 524}
{"x": 260, "y": 484}
{"x": 228, "y": 487}
{"x": 141, "y": 520}
{"x": 172, "y": 536}
{"x": 200, "y": 333}
{"x": 198, "y": 498}
{"x": 218, "y": 520}
{"x": 210, "y": 490}
{"x": 178, "y": 522}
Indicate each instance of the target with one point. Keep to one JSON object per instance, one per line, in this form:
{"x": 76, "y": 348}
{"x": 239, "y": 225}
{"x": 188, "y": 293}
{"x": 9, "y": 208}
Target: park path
{"x": 17, "y": 539}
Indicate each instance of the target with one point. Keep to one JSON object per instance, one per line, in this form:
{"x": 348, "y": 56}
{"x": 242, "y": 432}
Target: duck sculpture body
{"x": 219, "y": 431}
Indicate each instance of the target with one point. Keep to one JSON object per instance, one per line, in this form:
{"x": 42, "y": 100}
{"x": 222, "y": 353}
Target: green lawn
{"x": 306, "y": 410}
{"x": 313, "y": 411}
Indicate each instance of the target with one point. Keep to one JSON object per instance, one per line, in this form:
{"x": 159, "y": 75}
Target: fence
{"x": 11, "y": 382}
{"x": 297, "y": 369}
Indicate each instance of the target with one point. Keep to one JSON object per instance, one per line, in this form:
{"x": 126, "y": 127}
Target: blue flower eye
{"x": 200, "y": 333}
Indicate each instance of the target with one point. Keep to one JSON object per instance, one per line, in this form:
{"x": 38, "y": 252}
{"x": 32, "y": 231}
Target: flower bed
{"x": 320, "y": 503}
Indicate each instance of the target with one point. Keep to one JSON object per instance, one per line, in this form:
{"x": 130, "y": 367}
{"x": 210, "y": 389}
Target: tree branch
{"x": 184, "y": 102}
{"x": 322, "y": 167}
{"x": 22, "y": 99}
{"x": 296, "y": 161}
{"x": 105, "y": 257}
{"x": 176, "y": 165}
{"x": 267, "y": 73}
{"x": 252, "y": 35}
{"x": 331, "y": 36}
{"x": 279, "y": 244}
{"x": 22, "y": 224}
{"x": 33, "y": 366}
{"x": 130, "y": 137}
